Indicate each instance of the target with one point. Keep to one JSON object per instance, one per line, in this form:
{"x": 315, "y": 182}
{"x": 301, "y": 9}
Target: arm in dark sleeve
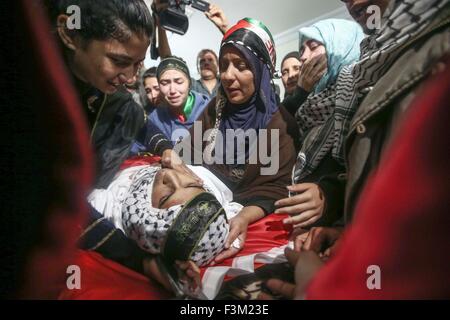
{"x": 154, "y": 140}
{"x": 294, "y": 101}
{"x": 265, "y": 203}
{"x": 103, "y": 237}
{"x": 333, "y": 187}
{"x": 115, "y": 134}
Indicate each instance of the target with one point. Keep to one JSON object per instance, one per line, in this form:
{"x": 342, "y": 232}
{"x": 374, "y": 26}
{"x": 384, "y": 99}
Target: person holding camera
{"x": 101, "y": 58}
{"x": 207, "y": 61}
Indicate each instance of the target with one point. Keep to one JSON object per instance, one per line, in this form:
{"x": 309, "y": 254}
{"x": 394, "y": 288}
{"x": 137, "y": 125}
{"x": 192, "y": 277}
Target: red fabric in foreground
{"x": 64, "y": 129}
{"x": 402, "y": 221}
{"x": 105, "y": 279}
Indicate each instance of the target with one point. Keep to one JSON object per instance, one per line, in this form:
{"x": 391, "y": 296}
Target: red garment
{"x": 139, "y": 161}
{"x": 181, "y": 118}
{"x": 402, "y": 222}
{"x": 63, "y": 127}
{"x": 105, "y": 279}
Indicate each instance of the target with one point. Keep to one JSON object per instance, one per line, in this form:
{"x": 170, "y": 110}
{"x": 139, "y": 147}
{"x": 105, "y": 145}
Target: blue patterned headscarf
{"x": 341, "y": 39}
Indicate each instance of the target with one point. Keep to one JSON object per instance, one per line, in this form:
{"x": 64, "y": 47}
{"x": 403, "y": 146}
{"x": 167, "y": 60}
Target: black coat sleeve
{"x": 294, "y": 101}
{"x": 102, "y": 236}
{"x": 117, "y": 127}
{"x": 154, "y": 140}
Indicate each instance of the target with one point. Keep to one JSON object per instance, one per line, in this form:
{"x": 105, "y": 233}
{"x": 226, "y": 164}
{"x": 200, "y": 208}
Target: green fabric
{"x": 189, "y": 105}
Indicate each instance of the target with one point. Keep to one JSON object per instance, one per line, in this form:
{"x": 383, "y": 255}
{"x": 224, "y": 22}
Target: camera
{"x": 173, "y": 17}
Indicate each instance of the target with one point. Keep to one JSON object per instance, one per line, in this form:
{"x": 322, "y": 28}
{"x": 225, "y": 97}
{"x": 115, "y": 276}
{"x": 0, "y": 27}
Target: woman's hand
{"x": 312, "y": 71}
{"x": 238, "y": 230}
{"x": 306, "y": 265}
{"x": 152, "y": 270}
{"x": 217, "y": 16}
{"x": 305, "y": 208}
{"x": 190, "y": 274}
{"x": 322, "y": 241}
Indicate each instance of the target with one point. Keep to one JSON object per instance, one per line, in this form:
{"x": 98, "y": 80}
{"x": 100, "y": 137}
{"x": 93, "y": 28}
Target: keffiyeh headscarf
{"x": 255, "y": 43}
{"x": 195, "y": 231}
{"x": 341, "y": 39}
{"x": 403, "y": 22}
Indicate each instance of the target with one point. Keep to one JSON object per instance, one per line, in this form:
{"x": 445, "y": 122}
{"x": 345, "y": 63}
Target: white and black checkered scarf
{"x": 324, "y": 119}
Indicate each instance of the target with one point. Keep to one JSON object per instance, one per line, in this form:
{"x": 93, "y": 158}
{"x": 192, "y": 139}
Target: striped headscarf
{"x": 403, "y": 22}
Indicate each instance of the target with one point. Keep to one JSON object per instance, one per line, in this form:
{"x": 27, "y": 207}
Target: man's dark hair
{"x": 149, "y": 73}
{"x": 106, "y": 19}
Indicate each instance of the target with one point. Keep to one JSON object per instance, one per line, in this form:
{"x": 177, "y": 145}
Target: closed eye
{"x": 164, "y": 199}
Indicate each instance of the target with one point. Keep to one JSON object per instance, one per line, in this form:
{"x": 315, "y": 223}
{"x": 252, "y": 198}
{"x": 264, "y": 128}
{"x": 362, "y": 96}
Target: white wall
{"x": 287, "y": 41}
{"x": 202, "y": 34}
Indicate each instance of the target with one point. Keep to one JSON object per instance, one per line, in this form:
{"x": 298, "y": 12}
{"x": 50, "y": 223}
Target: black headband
{"x": 172, "y": 63}
{"x": 190, "y": 226}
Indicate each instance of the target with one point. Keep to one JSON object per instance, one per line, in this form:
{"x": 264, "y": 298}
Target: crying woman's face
{"x": 172, "y": 188}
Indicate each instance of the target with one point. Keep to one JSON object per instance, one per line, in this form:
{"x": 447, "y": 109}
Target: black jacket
{"x": 115, "y": 121}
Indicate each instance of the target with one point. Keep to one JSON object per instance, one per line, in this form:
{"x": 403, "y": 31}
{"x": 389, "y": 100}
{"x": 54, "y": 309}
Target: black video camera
{"x": 173, "y": 17}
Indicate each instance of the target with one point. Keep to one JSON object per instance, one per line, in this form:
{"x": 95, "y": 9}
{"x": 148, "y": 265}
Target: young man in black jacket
{"x": 102, "y": 52}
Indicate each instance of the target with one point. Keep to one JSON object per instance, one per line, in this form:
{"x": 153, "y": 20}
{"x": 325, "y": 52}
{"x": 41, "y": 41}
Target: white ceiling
{"x": 278, "y": 16}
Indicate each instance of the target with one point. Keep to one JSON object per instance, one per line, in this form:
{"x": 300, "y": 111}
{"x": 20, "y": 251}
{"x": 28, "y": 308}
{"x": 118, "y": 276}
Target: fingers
{"x": 264, "y": 296}
{"x": 300, "y": 187}
{"x": 190, "y": 273}
{"x": 314, "y": 66}
{"x": 299, "y": 236}
{"x": 314, "y": 216}
{"x": 315, "y": 241}
{"x": 308, "y": 264}
{"x": 296, "y": 211}
{"x": 226, "y": 254}
{"x": 331, "y": 251}
{"x": 214, "y": 12}
{"x": 234, "y": 233}
{"x": 320, "y": 69}
{"x": 282, "y": 288}
{"x": 298, "y": 243}
{"x": 294, "y": 200}
{"x": 301, "y": 220}
{"x": 291, "y": 255}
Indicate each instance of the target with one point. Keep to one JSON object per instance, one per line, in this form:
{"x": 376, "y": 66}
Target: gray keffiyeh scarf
{"x": 324, "y": 119}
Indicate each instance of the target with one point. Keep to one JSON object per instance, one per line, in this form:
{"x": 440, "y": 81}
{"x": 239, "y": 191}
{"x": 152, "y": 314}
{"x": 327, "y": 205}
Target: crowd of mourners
{"x": 351, "y": 91}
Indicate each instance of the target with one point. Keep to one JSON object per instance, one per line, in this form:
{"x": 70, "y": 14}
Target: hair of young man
{"x": 106, "y": 19}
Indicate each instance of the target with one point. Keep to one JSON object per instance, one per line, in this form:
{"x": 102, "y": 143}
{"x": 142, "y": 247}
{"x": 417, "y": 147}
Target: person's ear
{"x": 66, "y": 35}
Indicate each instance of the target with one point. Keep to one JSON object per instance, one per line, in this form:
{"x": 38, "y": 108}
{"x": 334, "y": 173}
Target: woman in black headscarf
{"x": 246, "y": 106}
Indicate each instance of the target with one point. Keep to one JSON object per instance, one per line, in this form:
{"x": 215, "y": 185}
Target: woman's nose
{"x": 228, "y": 74}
